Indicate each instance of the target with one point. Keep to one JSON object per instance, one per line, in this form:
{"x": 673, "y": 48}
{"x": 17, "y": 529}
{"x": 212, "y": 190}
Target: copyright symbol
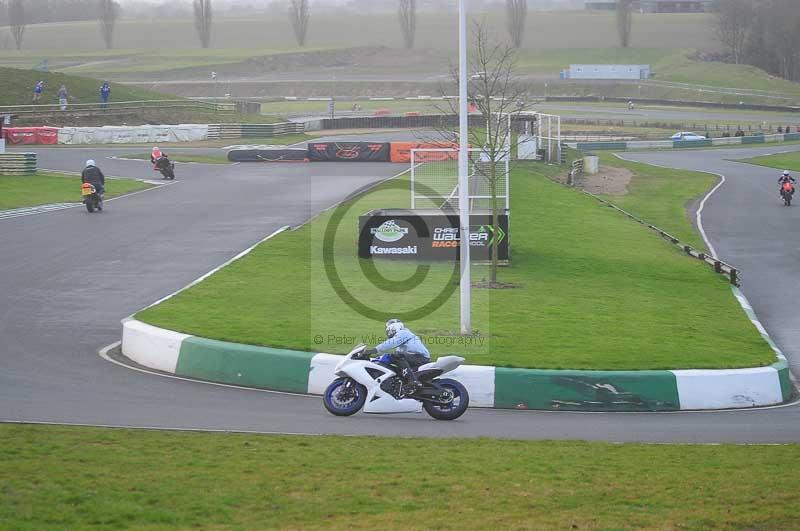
{"x": 371, "y": 273}
{"x": 318, "y": 339}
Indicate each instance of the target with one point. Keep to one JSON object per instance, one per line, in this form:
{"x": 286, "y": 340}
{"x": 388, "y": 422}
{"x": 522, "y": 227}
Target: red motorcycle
{"x": 787, "y": 191}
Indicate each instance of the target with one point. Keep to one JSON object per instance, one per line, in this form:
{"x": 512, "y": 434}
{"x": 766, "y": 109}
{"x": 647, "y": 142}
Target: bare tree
{"x": 624, "y": 22}
{"x": 16, "y": 21}
{"x": 516, "y": 13}
{"x": 299, "y": 13}
{"x": 107, "y": 13}
{"x": 496, "y": 96}
{"x": 732, "y": 22}
{"x": 202, "y": 21}
{"x": 407, "y": 12}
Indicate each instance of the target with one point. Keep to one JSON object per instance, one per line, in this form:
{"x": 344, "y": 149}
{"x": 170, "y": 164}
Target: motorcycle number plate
{"x": 86, "y": 191}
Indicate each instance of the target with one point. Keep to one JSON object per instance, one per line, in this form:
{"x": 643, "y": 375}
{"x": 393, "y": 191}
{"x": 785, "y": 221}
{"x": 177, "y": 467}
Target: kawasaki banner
{"x": 406, "y": 235}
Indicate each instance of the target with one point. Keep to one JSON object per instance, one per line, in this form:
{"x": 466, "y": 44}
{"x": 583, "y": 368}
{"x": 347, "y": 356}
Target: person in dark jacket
{"x": 91, "y": 174}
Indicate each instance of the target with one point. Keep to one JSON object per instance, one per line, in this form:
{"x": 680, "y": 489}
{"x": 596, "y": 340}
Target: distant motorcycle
{"x": 91, "y": 198}
{"x": 378, "y": 388}
{"x": 166, "y": 167}
{"x": 787, "y": 191}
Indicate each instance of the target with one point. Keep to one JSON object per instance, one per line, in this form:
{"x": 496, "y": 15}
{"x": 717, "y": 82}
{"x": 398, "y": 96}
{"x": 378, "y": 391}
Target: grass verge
{"x": 88, "y": 477}
{"x": 44, "y": 188}
{"x": 781, "y": 161}
{"x": 596, "y": 291}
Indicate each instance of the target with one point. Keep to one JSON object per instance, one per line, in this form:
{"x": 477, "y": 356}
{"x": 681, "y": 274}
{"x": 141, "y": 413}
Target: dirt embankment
{"x": 607, "y": 181}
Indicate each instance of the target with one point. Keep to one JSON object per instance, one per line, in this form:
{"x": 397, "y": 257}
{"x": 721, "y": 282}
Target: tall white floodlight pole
{"x": 463, "y": 168}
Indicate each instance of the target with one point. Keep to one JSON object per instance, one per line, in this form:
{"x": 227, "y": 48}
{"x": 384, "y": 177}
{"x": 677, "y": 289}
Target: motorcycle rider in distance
{"x": 91, "y": 174}
{"x": 785, "y": 178}
{"x": 409, "y": 351}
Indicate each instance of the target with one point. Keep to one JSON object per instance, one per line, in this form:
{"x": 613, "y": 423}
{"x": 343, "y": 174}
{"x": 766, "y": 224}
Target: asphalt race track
{"x": 67, "y": 278}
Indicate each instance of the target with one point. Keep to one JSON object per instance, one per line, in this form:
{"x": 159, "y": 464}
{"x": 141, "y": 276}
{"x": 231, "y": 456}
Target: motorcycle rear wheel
{"x": 89, "y": 206}
{"x": 355, "y": 395}
{"x": 453, "y": 410}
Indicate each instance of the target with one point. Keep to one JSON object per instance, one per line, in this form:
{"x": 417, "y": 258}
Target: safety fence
{"x": 26, "y": 112}
{"x": 679, "y": 144}
{"x": 18, "y": 163}
{"x": 230, "y": 131}
{"x": 713, "y": 129}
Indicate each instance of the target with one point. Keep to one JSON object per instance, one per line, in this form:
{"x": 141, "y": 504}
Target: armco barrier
{"x": 232, "y": 131}
{"x": 683, "y": 144}
{"x": 305, "y": 372}
{"x": 18, "y": 163}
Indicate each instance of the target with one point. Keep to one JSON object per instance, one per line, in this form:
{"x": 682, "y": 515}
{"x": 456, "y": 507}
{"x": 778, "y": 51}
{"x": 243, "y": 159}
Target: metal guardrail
{"x": 125, "y": 107}
{"x": 18, "y": 163}
{"x": 232, "y": 131}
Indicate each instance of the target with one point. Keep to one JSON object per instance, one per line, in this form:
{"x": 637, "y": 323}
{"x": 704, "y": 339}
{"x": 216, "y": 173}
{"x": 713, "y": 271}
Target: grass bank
{"x": 16, "y": 88}
{"x": 56, "y": 477}
{"x": 44, "y": 188}
{"x": 595, "y": 291}
{"x": 782, "y": 161}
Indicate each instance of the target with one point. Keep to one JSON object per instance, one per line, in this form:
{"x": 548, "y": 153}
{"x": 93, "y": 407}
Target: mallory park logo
{"x": 389, "y": 231}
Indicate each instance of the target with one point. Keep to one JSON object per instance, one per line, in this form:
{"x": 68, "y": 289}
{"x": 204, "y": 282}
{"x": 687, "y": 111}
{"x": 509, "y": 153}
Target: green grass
{"x": 596, "y": 291}
{"x": 16, "y": 88}
{"x": 44, "y": 188}
{"x": 182, "y": 157}
{"x": 782, "y": 161}
{"x": 66, "y": 477}
{"x": 147, "y": 50}
{"x": 660, "y": 196}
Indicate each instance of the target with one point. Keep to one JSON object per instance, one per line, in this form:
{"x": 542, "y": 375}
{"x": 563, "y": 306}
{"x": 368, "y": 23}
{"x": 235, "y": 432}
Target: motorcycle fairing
{"x": 378, "y": 400}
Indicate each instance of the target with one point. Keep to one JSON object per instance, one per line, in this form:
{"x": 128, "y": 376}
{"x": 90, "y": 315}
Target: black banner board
{"x": 428, "y": 236}
{"x": 268, "y": 155}
{"x": 349, "y": 151}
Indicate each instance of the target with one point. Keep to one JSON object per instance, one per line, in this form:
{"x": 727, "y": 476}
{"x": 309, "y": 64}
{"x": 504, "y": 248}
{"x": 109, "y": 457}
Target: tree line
{"x": 761, "y": 33}
{"x": 17, "y": 14}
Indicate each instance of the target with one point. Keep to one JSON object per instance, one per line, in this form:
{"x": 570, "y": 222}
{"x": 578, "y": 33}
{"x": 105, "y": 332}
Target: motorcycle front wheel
{"x": 344, "y": 397}
{"x": 454, "y": 408}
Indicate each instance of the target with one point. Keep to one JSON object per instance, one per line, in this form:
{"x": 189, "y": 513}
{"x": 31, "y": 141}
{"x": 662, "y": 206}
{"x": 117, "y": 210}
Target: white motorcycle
{"x": 378, "y": 388}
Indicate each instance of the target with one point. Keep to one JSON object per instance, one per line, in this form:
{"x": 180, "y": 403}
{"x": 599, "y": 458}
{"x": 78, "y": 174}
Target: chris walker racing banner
{"x": 429, "y": 237}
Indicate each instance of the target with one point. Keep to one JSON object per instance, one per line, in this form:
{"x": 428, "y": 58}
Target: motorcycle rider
{"x": 91, "y": 174}
{"x": 783, "y": 179}
{"x": 409, "y": 351}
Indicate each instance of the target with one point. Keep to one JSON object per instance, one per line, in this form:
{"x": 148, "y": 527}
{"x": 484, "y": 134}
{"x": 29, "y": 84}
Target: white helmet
{"x": 90, "y": 162}
{"x": 786, "y": 173}
{"x": 393, "y": 326}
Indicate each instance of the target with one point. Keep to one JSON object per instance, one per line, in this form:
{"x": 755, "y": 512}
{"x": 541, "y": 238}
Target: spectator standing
{"x": 63, "y": 96}
{"x": 780, "y": 129}
{"x": 37, "y": 91}
{"x": 105, "y": 93}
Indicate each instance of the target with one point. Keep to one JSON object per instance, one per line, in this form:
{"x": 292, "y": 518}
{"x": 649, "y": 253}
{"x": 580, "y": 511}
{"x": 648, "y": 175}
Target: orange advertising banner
{"x": 401, "y": 151}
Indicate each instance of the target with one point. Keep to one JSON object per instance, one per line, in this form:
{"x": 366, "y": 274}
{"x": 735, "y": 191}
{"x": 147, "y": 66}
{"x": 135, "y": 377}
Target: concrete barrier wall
{"x": 505, "y": 388}
{"x": 143, "y": 134}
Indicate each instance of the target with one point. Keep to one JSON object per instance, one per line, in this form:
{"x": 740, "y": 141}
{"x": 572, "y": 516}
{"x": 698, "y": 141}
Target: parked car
{"x": 687, "y": 135}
